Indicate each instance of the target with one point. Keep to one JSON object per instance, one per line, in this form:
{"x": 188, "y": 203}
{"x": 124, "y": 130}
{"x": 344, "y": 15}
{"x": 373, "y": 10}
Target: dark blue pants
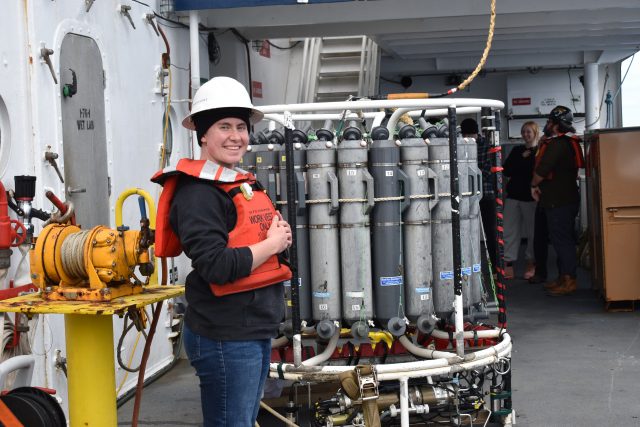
{"x": 561, "y": 222}
{"x": 232, "y": 376}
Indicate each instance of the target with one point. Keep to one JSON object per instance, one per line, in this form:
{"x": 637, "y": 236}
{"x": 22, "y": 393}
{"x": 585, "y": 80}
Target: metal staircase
{"x": 335, "y": 68}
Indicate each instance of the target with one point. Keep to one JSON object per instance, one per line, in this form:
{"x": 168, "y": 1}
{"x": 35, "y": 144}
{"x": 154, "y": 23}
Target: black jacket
{"x": 202, "y": 216}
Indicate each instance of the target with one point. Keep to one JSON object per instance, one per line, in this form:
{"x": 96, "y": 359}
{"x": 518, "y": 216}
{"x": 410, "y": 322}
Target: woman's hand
{"x": 278, "y": 239}
{"x": 535, "y": 193}
{"x": 279, "y": 234}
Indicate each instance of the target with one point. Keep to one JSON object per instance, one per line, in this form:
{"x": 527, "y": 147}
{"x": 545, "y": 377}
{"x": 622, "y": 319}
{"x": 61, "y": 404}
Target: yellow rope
{"x": 487, "y": 48}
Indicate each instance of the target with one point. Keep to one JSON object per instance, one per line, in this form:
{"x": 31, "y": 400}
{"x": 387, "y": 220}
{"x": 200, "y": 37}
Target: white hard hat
{"x": 221, "y": 92}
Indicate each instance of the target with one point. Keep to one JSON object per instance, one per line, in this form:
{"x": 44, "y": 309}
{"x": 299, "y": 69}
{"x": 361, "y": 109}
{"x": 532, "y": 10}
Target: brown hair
{"x": 534, "y": 127}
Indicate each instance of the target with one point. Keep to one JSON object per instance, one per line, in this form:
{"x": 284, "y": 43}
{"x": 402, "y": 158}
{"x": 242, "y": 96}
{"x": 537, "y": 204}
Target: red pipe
{"x": 6, "y": 235}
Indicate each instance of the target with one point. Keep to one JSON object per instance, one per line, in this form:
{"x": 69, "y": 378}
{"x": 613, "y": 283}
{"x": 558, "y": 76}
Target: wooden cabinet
{"x": 613, "y": 197}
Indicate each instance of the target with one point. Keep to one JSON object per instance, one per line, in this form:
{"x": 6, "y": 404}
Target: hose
{"x": 143, "y": 364}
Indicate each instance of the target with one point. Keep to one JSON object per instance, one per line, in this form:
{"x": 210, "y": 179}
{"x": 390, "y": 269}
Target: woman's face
{"x": 528, "y": 135}
{"x": 225, "y": 142}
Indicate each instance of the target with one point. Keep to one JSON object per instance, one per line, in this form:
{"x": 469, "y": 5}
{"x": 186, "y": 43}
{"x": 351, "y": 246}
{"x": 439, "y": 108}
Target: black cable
{"x": 244, "y": 40}
{"x": 283, "y": 48}
{"x": 170, "y": 20}
{"x": 139, "y": 2}
{"x": 172, "y": 26}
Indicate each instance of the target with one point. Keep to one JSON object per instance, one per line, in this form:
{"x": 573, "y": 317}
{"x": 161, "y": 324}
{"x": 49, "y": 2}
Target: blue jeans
{"x": 232, "y": 375}
{"x": 561, "y": 222}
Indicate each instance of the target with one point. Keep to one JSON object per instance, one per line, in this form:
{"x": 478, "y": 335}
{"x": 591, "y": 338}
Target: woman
{"x": 227, "y": 226}
{"x": 519, "y": 206}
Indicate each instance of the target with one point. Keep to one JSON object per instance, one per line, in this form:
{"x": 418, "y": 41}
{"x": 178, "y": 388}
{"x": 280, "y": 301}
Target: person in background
{"x": 554, "y": 185}
{"x": 519, "y": 206}
{"x": 469, "y": 129}
{"x": 226, "y": 224}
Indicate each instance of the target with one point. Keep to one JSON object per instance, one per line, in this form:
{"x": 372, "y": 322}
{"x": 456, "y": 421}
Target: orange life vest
{"x": 575, "y": 145}
{"x": 254, "y": 210}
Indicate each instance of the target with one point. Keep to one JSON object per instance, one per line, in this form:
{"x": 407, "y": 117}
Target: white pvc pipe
{"x": 194, "y": 45}
{"x": 326, "y": 354}
{"x": 397, "y": 369}
{"x": 378, "y": 104}
{"x": 486, "y": 333}
{"x": 591, "y": 97}
{"x": 322, "y": 375}
{"x": 393, "y": 120}
{"x": 459, "y": 319}
{"x": 404, "y": 401}
{"x": 426, "y": 353}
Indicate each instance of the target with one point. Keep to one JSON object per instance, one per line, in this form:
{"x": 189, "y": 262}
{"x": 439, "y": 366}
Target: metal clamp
{"x": 45, "y": 54}
{"x": 368, "y": 383}
{"x": 149, "y": 17}
{"x": 124, "y": 9}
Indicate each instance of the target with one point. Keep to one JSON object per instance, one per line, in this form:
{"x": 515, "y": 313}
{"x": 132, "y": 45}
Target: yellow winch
{"x": 68, "y": 263}
{"x": 71, "y": 264}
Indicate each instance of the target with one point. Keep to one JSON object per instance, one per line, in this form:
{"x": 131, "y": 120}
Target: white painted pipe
{"x": 194, "y": 45}
{"x": 591, "y": 96}
{"x": 326, "y": 354}
{"x": 378, "y": 116}
{"x": 379, "y": 104}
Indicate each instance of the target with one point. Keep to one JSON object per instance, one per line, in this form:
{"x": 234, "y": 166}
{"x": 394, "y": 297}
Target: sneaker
{"x": 530, "y": 271}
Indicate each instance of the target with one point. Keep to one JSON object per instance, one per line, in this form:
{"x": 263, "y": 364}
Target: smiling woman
{"x": 231, "y": 232}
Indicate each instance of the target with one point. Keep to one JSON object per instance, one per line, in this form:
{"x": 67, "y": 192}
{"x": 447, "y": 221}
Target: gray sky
{"x": 631, "y": 93}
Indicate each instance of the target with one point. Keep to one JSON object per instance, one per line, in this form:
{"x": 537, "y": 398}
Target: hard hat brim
{"x": 255, "y": 117}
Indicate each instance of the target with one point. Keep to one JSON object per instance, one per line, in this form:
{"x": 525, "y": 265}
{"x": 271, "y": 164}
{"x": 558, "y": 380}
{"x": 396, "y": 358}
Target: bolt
{"x": 108, "y": 241}
{"x": 113, "y": 248}
{"x": 105, "y": 291}
{"x": 95, "y": 242}
{"x": 113, "y": 264}
{"x": 34, "y": 276}
{"x": 111, "y": 234}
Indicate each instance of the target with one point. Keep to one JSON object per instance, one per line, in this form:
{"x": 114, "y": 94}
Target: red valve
{"x": 18, "y": 233}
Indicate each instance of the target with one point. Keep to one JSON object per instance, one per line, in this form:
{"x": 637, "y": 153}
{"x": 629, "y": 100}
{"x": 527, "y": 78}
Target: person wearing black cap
{"x": 469, "y": 129}
{"x": 228, "y": 227}
{"x": 554, "y": 186}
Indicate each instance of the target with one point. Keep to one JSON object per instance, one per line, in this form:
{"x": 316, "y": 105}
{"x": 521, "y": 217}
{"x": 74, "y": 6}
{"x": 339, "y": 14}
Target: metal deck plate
{"x": 34, "y": 304}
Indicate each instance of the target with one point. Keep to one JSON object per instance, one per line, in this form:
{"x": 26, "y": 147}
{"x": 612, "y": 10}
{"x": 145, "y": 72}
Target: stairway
{"x": 335, "y": 68}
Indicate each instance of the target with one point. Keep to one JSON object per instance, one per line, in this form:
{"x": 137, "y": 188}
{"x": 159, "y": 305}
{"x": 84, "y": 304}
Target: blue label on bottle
{"x": 322, "y": 294}
{"x": 423, "y": 290}
{"x": 288, "y": 282}
{"x": 466, "y": 271}
{"x": 446, "y": 275}
{"x": 476, "y": 268}
{"x": 391, "y": 281}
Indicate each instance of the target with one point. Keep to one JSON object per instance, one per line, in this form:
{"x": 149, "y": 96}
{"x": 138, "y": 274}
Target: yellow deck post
{"x": 89, "y": 348}
{"x": 91, "y": 370}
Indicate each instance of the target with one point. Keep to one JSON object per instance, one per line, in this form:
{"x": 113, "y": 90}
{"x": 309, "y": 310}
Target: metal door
{"x": 83, "y": 130}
